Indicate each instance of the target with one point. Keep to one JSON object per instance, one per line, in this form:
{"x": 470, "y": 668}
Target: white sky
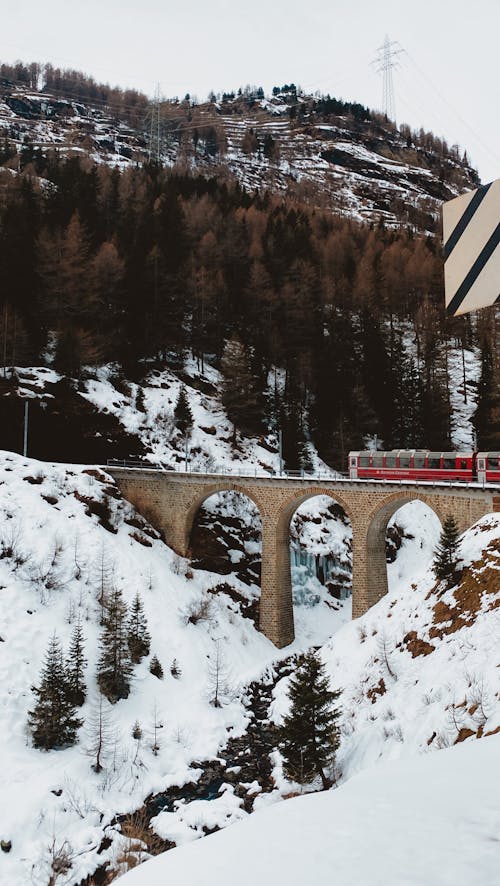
{"x": 448, "y": 80}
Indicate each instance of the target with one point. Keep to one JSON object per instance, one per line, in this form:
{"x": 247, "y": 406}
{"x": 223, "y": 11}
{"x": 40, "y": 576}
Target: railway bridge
{"x": 171, "y": 500}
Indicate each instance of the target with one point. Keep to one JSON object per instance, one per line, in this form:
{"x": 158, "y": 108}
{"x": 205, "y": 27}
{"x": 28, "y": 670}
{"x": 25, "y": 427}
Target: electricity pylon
{"x": 385, "y": 61}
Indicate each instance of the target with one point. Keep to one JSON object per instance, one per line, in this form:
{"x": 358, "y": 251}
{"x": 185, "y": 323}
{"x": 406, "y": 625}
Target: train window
{"x": 390, "y": 461}
{"x": 493, "y": 462}
{"x": 419, "y": 461}
{"x": 463, "y": 464}
{"x": 434, "y": 460}
{"x": 449, "y": 464}
{"x": 378, "y": 461}
{"x": 364, "y": 461}
{"x": 404, "y": 461}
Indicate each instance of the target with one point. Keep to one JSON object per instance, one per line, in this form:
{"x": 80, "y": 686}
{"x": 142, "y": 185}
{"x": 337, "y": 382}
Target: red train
{"x": 421, "y": 464}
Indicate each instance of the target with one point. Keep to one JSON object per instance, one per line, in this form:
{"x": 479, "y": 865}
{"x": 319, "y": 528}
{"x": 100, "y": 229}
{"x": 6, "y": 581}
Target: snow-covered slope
{"x": 420, "y": 670}
{"x": 65, "y": 534}
{"x": 432, "y": 820}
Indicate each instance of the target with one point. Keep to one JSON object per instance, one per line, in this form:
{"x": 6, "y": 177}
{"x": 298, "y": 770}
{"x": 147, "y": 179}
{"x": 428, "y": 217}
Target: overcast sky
{"x": 448, "y": 77}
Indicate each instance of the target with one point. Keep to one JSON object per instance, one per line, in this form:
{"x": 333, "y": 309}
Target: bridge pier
{"x": 276, "y": 607}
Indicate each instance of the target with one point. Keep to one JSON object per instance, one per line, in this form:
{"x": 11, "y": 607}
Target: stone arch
{"x": 373, "y": 559}
{"x": 205, "y": 493}
{"x": 276, "y": 609}
{"x": 226, "y": 538}
{"x": 295, "y": 500}
{"x": 340, "y": 548}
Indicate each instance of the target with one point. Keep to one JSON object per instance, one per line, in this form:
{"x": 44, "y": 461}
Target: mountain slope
{"x": 323, "y": 151}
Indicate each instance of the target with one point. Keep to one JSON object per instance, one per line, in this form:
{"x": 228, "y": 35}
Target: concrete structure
{"x": 171, "y": 500}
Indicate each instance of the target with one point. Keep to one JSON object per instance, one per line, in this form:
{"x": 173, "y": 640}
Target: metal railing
{"x": 334, "y": 477}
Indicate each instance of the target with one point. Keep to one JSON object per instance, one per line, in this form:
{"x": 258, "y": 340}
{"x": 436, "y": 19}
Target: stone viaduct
{"x": 171, "y": 501}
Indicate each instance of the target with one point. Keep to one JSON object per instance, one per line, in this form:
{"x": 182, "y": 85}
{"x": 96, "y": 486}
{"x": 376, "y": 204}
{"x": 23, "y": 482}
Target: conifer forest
{"x": 144, "y": 265}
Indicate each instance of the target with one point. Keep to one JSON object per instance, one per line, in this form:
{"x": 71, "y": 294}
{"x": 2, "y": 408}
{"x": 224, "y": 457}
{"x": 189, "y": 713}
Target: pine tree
{"x": 52, "y": 721}
{"x": 75, "y": 666}
{"x": 114, "y": 667}
{"x": 182, "y": 412}
{"x": 175, "y": 669}
{"x": 156, "y": 668}
{"x": 139, "y": 639}
{"x": 309, "y": 734}
{"x": 445, "y": 561}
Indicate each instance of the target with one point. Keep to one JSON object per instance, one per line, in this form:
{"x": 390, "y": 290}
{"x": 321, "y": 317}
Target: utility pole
{"x": 25, "y": 442}
{"x": 385, "y": 61}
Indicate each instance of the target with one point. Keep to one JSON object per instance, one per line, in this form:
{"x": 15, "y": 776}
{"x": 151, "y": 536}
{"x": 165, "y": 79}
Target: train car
{"x": 488, "y": 467}
{"x": 413, "y": 464}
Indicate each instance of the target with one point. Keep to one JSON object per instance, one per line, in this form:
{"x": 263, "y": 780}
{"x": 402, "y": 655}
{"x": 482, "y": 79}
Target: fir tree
{"x": 138, "y": 637}
{"x": 75, "y": 666}
{"x": 309, "y": 733}
{"x": 445, "y": 560}
{"x": 156, "y": 668}
{"x": 182, "y": 412}
{"x": 114, "y": 667}
{"x": 175, "y": 669}
{"x": 52, "y": 721}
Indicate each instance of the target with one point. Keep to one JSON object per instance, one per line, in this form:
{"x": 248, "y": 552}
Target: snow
{"x": 52, "y": 575}
{"x": 462, "y": 365}
{"x": 432, "y": 820}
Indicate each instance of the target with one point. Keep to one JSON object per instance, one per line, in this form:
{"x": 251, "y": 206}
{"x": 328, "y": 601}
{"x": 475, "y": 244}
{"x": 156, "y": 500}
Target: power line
{"x": 448, "y": 104}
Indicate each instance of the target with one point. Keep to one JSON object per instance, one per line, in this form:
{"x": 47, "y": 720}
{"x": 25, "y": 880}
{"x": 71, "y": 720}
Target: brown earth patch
{"x": 463, "y": 734}
{"x": 416, "y": 645}
{"x": 493, "y": 731}
{"x": 479, "y": 589}
{"x": 379, "y": 689}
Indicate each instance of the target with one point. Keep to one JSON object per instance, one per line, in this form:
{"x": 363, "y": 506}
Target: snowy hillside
{"x": 418, "y": 672}
{"x": 432, "y": 820}
{"x": 424, "y": 680}
{"x": 65, "y": 537}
